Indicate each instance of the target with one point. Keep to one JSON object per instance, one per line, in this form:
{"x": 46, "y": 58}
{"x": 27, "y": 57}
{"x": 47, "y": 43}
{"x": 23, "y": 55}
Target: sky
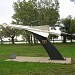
{"x": 6, "y": 10}
{"x": 66, "y": 8}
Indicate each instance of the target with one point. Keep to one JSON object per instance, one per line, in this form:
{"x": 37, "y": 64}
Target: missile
{"x": 40, "y": 30}
{"x": 37, "y": 29}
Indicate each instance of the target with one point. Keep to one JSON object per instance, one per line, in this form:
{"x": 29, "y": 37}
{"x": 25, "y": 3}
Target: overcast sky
{"x": 6, "y": 10}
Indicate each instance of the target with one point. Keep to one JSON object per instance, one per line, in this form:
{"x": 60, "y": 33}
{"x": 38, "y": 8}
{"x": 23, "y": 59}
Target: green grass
{"x": 22, "y": 68}
{"x": 67, "y": 50}
{"x": 22, "y": 50}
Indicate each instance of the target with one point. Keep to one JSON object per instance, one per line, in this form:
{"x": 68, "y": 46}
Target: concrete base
{"x": 40, "y": 59}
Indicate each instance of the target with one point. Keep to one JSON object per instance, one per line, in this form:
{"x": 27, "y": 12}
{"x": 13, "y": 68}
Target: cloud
{"x": 66, "y": 8}
{"x": 6, "y": 10}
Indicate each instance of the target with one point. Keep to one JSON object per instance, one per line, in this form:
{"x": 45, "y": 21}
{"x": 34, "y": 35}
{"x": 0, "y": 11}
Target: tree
{"x": 69, "y": 26}
{"x": 72, "y": 1}
{"x": 72, "y": 28}
{"x": 1, "y": 34}
{"x": 48, "y": 12}
{"x": 9, "y": 32}
{"x": 35, "y": 12}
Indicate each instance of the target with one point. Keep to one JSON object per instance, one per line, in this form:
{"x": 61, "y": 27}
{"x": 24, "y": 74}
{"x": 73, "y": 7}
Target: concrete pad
{"x": 40, "y": 59}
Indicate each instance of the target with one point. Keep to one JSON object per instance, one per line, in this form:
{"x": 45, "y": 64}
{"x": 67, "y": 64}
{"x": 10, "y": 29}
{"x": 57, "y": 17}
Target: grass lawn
{"x": 23, "y": 68}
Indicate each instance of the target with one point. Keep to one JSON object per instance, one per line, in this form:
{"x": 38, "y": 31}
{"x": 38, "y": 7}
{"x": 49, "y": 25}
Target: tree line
{"x": 36, "y": 13}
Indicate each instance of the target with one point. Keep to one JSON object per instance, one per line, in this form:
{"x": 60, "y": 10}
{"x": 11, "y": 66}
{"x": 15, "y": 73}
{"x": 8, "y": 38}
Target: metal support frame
{"x": 50, "y": 49}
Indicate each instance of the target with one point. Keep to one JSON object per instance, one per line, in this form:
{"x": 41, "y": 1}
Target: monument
{"x": 41, "y": 33}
